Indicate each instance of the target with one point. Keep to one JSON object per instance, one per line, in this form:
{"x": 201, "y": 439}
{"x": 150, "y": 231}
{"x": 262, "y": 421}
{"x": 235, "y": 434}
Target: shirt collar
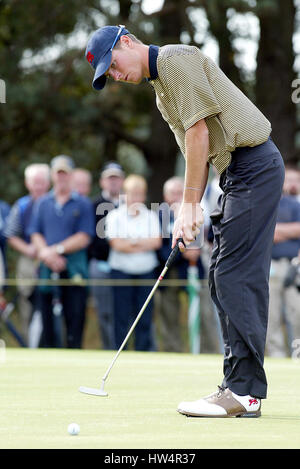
{"x": 73, "y": 194}
{"x": 153, "y": 53}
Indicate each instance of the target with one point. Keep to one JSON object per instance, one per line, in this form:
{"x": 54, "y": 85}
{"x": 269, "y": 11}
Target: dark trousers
{"x": 128, "y": 301}
{"x": 243, "y": 226}
{"x": 73, "y": 301}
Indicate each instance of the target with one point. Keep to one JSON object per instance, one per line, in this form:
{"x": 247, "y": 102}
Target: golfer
{"x": 214, "y": 123}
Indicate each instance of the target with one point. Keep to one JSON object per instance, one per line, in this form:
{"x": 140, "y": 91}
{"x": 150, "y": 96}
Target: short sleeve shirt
{"x": 119, "y": 224}
{"x": 288, "y": 212}
{"x": 18, "y": 221}
{"x": 190, "y": 87}
{"x": 57, "y": 222}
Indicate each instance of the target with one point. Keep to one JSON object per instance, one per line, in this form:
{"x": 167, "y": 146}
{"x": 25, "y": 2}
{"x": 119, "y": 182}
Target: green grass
{"x": 39, "y": 397}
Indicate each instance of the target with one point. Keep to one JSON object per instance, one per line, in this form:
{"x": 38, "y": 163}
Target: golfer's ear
{"x": 125, "y": 40}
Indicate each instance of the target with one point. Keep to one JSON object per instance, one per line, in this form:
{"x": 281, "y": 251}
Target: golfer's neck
{"x": 145, "y": 60}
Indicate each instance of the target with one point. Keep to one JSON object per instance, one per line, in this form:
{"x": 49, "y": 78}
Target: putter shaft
{"x": 135, "y": 322}
{"x": 170, "y": 260}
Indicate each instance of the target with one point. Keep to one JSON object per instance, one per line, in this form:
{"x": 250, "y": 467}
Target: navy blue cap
{"x": 112, "y": 168}
{"x": 99, "y": 49}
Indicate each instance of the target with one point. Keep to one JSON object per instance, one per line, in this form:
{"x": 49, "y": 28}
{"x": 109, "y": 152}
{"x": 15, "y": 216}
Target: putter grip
{"x": 174, "y": 253}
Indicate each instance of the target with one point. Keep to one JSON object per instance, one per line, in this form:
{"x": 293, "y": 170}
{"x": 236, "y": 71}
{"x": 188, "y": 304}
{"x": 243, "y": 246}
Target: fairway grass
{"x": 39, "y": 398}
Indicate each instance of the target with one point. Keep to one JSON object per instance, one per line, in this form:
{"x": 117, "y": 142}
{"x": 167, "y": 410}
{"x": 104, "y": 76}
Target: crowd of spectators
{"x": 110, "y": 248}
{"x": 284, "y": 312}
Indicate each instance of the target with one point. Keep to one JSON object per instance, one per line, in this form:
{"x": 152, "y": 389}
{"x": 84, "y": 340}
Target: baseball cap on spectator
{"x": 62, "y": 163}
{"x": 112, "y": 168}
{"x": 99, "y": 49}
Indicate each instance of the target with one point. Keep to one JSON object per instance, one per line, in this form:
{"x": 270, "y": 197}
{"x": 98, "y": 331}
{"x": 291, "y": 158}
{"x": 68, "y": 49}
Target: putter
{"x": 101, "y": 391}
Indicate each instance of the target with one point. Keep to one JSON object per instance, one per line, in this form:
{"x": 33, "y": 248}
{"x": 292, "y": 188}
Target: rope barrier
{"x": 78, "y": 281}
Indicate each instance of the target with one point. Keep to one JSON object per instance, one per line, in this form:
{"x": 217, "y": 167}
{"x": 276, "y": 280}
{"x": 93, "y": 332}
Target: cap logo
{"x": 90, "y": 57}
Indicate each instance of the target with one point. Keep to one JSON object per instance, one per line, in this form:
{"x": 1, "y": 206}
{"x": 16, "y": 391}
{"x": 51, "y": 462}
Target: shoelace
{"x": 220, "y": 391}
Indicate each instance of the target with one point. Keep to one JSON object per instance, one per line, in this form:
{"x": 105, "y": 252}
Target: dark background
{"x": 51, "y": 107}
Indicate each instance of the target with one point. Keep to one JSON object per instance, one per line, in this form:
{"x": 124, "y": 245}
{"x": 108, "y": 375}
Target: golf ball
{"x": 73, "y": 429}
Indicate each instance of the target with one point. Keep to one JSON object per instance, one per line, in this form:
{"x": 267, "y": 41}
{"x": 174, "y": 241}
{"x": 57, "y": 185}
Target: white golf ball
{"x": 73, "y": 428}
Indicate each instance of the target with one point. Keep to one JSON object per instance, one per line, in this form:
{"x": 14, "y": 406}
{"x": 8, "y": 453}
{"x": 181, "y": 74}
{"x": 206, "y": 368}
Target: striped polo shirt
{"x": 189, "y": 87}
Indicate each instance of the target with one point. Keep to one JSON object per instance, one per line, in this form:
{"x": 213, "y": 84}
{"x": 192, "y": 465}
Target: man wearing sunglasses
{"x": 214, "y": 123}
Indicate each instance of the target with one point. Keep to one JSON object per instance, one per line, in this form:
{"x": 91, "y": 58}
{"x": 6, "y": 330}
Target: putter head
{"x": 93, "y": 391}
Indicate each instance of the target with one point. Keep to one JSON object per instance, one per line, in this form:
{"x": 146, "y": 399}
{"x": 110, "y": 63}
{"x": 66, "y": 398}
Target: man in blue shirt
{"x": 284, "y": 306}
{"x": 37, "y": 183}
{"x": 62, "y": 226}
{"x": 4, "y": 212}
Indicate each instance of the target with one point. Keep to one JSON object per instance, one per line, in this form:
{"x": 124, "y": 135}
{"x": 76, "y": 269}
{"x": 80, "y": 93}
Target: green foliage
{"x": 51, "y": 107}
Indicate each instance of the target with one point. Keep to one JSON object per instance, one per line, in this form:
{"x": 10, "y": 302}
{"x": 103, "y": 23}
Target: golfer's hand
{"x": 187, "y": 224}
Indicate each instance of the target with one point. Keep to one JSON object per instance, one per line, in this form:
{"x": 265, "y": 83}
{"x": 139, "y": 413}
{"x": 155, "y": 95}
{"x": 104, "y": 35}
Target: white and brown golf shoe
{"x": 223, "y": 403}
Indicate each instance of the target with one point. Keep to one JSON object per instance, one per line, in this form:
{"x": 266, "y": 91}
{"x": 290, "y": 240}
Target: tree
{"x": 275, "y": 62}
{"x": 51, "y": 107}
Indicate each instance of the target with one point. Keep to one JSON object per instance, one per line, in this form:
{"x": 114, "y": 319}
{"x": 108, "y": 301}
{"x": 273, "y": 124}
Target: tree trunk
{"x": 161, "y": 154}
{"x": 216, "y": 12}
{"x": 162, "y": 148}
{"x": 275, "y": 73}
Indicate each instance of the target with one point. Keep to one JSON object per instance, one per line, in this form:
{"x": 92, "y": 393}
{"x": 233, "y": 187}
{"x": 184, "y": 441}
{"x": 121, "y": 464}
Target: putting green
{"x": 39, "y": 397}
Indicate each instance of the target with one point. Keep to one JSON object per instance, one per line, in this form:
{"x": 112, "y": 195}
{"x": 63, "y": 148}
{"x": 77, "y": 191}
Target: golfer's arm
{"x": 197, "y": 167}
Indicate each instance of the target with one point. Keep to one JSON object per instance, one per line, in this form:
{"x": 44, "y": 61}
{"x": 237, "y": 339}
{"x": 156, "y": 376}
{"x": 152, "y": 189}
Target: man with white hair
{"x": 61, "y": 229}
{"x": 37, "y": 182}
{"x": 168, "y": 298}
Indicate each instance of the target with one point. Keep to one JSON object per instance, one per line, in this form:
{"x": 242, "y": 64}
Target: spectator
{"x": 168, "y": 298}
{"x": 82, "y": 181}
{"x": 284, "y": 307}
{"x": 4, "y": 212}
{"x": 61, "y": 230}
{"x": 110, "y": 182}
{"x": 134, "y": 236}
{"x": 211, "y": 195}
{"x": 210, "y": 202}
{"x": 292, "y": 181}
{"x": 37, "y": 182}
